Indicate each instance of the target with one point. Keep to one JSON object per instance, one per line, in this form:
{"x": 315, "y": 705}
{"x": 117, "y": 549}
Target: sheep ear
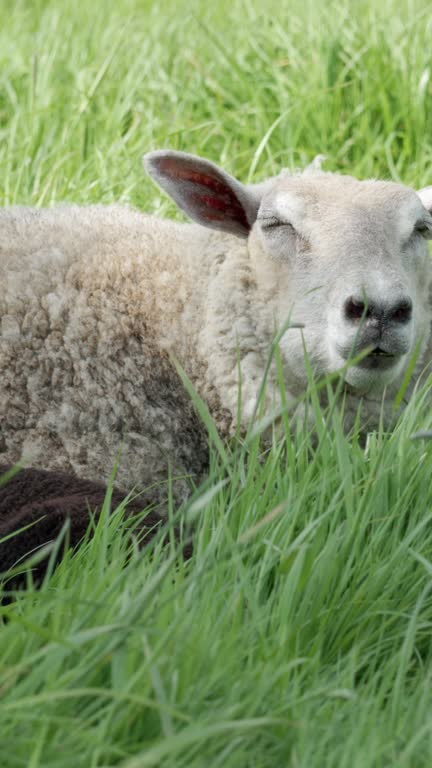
{"x": 205, "y": 192}
{"x": 425, "y": 196}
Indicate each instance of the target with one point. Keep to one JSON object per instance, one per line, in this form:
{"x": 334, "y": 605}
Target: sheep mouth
{"x": 378, "y": 352}
{"x": 379, "y": 358}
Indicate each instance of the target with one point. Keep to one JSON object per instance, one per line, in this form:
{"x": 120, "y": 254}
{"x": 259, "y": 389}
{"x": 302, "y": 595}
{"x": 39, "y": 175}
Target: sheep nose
{"x": 376, "y": 312}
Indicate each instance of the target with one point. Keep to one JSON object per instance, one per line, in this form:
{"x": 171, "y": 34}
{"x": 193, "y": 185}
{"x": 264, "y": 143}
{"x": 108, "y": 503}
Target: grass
{"x": 299, "y": 633}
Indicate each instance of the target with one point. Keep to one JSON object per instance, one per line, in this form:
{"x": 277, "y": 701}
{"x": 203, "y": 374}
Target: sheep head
{"x": 347, "y": 259}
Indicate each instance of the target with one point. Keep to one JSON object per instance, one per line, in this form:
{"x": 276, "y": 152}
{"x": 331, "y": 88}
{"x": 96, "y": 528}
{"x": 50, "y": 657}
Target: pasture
{"x": 299, "y": 633}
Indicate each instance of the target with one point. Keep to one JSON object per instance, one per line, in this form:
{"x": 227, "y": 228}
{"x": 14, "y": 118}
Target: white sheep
{"x": 96, "y": 301}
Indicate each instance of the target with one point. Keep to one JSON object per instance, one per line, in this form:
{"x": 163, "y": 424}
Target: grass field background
{"x": 300, "y": 632}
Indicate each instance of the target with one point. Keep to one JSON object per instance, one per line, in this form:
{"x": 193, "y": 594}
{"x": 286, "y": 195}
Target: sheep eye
{"x": 271, "y": 222}
{"x": 423, "y": 229}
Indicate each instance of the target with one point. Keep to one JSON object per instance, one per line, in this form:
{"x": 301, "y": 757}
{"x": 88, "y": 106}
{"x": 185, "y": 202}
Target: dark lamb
{"x": 46, "y": 500}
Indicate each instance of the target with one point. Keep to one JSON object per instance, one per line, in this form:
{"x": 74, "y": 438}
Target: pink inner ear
{"x": 173, "y": 169}
{"x": 221, "y": 205}
{"x": 221, "y": 208}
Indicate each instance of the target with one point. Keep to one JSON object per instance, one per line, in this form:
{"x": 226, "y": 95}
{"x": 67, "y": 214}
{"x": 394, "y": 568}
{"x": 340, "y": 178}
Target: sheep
{"x": 35, "y": 504}
{"x": 99, "y": 304}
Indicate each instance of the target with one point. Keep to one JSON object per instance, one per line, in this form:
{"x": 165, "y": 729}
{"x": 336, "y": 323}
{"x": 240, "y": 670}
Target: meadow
{"x": 299, "y": 634}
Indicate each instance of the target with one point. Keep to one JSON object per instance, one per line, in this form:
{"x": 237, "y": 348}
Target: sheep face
{"x": 349, "y": 261}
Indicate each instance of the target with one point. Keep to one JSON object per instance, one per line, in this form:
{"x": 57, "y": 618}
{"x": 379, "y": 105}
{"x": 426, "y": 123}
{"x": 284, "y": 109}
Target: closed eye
{"x": 272, "y": 222}
{"x": 423, "y": 228}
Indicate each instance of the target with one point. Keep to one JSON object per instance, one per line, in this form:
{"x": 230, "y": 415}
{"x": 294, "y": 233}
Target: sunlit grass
{"x": 299, "y": 632}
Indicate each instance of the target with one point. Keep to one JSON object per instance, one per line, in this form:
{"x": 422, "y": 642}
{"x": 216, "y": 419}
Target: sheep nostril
{"x": 402, "y": 312}
{"x": 378, "y": 313}
{"x": 354, "y": 309}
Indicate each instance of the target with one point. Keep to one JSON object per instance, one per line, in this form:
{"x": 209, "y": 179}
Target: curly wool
{"x": 91, "y": 307}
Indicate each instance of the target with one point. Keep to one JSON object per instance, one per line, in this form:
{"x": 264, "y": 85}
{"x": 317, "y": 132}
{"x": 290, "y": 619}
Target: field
{"x": 300, "y": 632}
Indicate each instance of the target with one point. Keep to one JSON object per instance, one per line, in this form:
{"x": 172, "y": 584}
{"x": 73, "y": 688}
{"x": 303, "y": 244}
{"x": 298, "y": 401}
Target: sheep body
{"x": 87, "y": 326}
{"x": 94, "y": 301}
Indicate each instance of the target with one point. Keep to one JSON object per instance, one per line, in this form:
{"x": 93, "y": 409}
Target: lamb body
{"x": 37, "y": 503}
{"x": 95, "y": 301}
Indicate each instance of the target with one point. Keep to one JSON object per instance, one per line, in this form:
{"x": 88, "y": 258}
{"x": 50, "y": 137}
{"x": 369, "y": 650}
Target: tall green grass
{"x": 299, "y": 634}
